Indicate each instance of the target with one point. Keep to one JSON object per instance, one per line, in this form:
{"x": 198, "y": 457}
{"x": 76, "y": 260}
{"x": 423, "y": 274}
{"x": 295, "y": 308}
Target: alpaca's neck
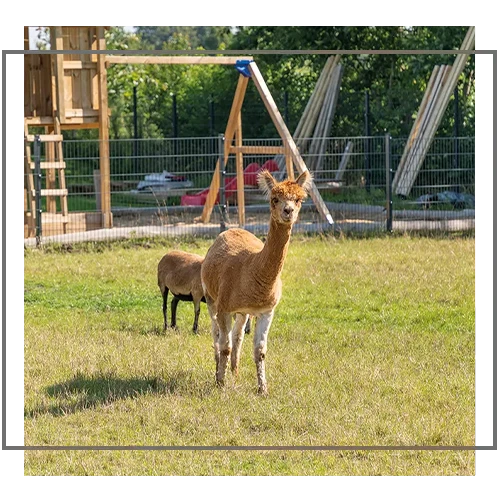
{"x": 272, "y": 256}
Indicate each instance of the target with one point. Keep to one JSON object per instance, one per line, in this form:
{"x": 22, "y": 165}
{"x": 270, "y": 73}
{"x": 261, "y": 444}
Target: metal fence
{"x": 159, "y": 187}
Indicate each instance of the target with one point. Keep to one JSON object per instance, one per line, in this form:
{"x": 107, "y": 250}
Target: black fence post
{"x": 388, "y": 180}
{"x": 367, "y": 142}
{"x": 456, "y": 133}
{"x": 222, "y": 186}
{"x": 38, "y": 189}
{"x": 136, "y": 128}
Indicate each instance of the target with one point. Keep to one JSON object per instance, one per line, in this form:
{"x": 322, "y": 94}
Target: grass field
{"x": 372, "y": 344}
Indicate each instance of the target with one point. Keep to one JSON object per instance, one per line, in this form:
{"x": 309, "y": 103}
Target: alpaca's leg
{"x": 248, "y": 325}
{"x": 173, "y": 306}
{"x": 225, "y": 344}
{"x": 215, "y": 330}
{"x": 196, "y": 315}
{"x": 237, "y": 334}
{"x": 262, "y": 326}
{"x": 165, "y": 294}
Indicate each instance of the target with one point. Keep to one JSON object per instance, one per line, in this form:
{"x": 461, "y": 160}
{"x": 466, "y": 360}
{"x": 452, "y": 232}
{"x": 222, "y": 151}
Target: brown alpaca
{"x": 241, "y": 275}
{"x": 180, "y": 272}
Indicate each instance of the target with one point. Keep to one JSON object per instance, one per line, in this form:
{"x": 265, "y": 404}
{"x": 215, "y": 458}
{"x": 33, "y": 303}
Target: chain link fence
{"x": 159, "y": 187}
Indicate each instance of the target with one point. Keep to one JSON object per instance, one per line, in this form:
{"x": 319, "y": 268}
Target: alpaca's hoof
{"x": 220, "y": 383}
{"x": 262, "y": 390}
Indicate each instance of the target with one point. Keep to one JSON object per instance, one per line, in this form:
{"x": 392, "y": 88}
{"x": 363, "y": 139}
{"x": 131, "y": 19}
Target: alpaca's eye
{"x": 297, "y": 200}
{"x": 275, "y": 200}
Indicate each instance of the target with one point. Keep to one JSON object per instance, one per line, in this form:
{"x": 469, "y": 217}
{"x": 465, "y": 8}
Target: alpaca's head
{"x": 286, "y": 197}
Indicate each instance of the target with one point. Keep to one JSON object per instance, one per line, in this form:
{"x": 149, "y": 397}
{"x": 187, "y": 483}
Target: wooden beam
{"x": 324, "y": 123}
{"x": 81, "y": 113}
{"x": 240, "y": 180}
{"x": 104, "y": 132}
{"x": 415, "y": 126}
{"x": 29, "y": 186}
{"x": 257, "y": 150}
{"x": 231, "y": 126}
{"x": 81, "y": 123}
{"x": 45, "y": 137}
{"x": 59, "y": 73}
{"x": 286, "y": 137}
{"x": 79, "y": 65}
{"x": 39, "y": 120}
{"x": 344, "y": 161}
{"x": 174, "y": 59}
{"x": 421, "y": 130}
{"x": 49, "y": 164}
{"x": 289, "y": 165}
{"x": 52, "y": 192}
{"x": 441, "y": 104}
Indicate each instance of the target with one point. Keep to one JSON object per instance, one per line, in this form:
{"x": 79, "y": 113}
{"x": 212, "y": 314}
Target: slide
{"x": 249, "y": 179}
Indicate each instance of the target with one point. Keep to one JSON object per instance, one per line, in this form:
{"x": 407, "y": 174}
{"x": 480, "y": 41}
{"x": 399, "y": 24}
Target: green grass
{"x": 372, "y": 344}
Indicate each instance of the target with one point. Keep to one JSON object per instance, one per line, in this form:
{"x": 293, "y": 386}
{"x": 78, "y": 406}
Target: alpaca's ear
{"x": 304, "y": 180}
{"x": 266, "y": 182}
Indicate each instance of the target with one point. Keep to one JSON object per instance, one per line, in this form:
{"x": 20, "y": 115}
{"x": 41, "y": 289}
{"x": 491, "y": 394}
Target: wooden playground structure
{"x": 66, "y": 91}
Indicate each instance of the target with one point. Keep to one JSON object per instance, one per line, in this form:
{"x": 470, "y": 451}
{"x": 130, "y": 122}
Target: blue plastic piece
{"x": 242, "y": 67}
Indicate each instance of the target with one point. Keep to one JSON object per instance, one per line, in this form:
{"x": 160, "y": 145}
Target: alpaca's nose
{"x": 288, "y": 210}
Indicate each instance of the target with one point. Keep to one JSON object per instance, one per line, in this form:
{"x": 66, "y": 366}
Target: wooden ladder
{"x": 54, "y": 164}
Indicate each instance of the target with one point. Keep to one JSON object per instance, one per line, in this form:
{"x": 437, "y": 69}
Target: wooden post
{"x": 289, "y": 164}
{"x": 57, "y": 43}
{"x": 240, "y": 180}
{"x": 107, "y": 217}
{"x": 231, "y": 126}
{"x": 286, "y": 137}
{"x": 29, "y": 184}
{"x": 50, "y": 174}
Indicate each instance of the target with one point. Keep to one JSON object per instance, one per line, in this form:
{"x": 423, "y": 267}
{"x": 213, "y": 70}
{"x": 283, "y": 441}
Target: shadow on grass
{"x": 89, "y": 392}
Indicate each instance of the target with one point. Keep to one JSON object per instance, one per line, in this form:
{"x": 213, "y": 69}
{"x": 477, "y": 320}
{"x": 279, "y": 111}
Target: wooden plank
{"x": 52, "y": 192}
{"x": 344, "y": 161}
{"x": 257, "y": 150}
{"x": 240, "y": 181}
{"x": 319, "y": 84}
{"x": 422, "y": 140}
{"x": 69, "y": 65}
{"x": 411, "y": 137}
{"x": 81, "y": 113}
{"x": 232, "y": 123}
{"x": 104, "y": 163}
{"x": 332, "y": 106}
{"x": 442, "y": 104}
{"x": 175, "y": 59}
{"x": 323, "y": 126}
{"x": 59, "y": 72}
{"x": 427, "y": 108}
{"x": 80, "y": 123}
{"x": 85, "y": 43}
{"x": 45, "y": 137}
{"x": 61, "y": 174}
{"x": 49, "y": 164}
{"x": 286, "y": 137}
{"x": 39, "y": 120}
